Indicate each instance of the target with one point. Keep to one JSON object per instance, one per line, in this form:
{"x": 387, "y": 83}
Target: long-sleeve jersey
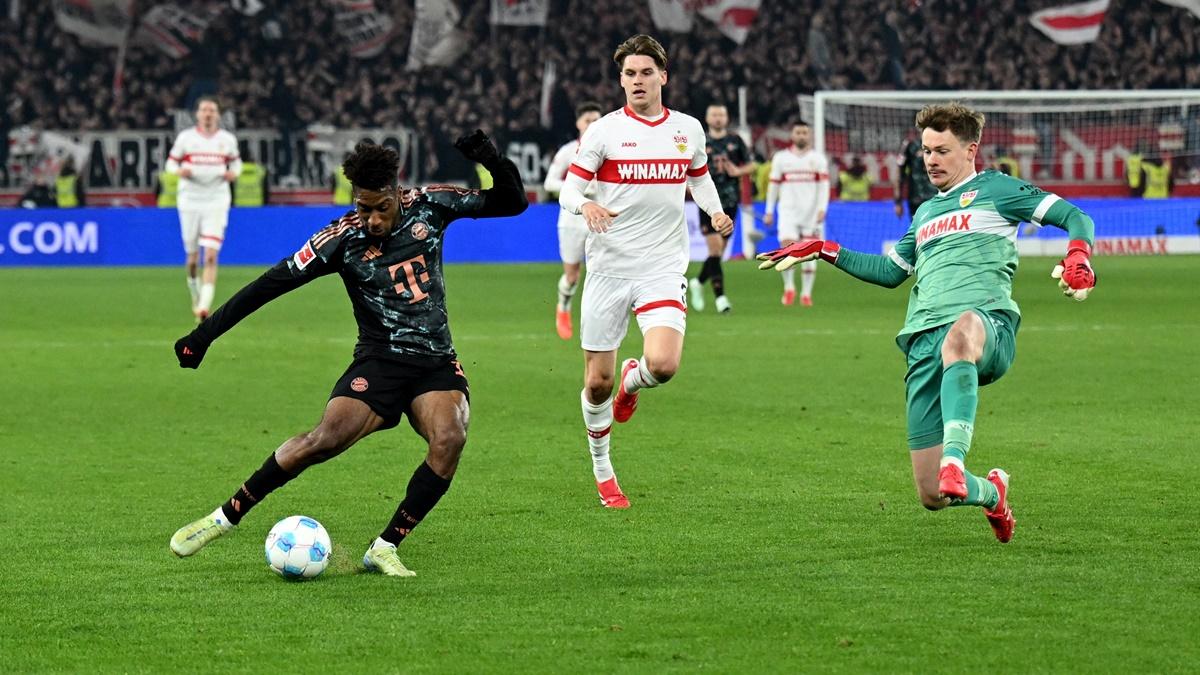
{"x": 799, "y": 183}
{"x": 642, "y": 170}
{"x": 394, "y": 282}
{"x": 555, "y": 176}
{"x": 961, "y": 247}
{"x": 208, "y": 156}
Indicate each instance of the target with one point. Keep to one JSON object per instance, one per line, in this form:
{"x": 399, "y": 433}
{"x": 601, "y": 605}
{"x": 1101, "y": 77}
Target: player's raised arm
{"x": 506, "y": 197}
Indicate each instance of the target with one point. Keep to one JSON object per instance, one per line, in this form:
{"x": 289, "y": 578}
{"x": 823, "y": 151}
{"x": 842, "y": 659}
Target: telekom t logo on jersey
{"x": 411, "y": 276}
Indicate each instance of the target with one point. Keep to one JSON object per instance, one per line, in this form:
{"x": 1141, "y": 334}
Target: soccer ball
{"x": 298, "y": 548}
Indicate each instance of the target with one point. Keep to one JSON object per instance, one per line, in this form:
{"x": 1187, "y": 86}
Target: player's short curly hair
{"x": 641, "y": 45}
{"x": 372, "y": 167}
{"x": 964, "y": 123}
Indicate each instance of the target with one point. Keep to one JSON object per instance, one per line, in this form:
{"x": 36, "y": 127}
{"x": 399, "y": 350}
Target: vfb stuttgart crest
{"x": 681, "y": 142}
{"x": 965, "y": 199}
{"x": 419, "y": 231}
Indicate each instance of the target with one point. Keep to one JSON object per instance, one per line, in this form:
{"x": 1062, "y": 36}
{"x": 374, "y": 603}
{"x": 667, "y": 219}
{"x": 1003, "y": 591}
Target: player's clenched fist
{"x": 477, "y": 147}
{"x": 190, "y": 351}
{"x": 598, "y": 218}
{"x": 793, "y": 254}
{"x": 1074, "y": 272}
{"x": 723, "y": 224}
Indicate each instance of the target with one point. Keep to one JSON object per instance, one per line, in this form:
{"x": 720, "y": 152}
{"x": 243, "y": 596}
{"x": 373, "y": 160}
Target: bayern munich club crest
{"x": 359, "y": 384}
{"x": 965, "y": 199}
{"x": 419, "y": 231}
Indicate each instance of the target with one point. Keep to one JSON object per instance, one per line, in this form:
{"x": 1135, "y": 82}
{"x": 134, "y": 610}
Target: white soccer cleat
{"x": 723, "y": 305}
{"x": 382, "y": 558}
{"x": 197, "y": 534}
{"x": 697, "y": 294}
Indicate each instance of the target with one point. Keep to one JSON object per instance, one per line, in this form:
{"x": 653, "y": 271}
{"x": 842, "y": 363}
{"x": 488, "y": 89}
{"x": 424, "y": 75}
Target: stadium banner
{"x": 362, "y": 26}
{"x": 519, "y": 12}
{"x": 1073, "y": 24}
{"x": 435, "y": 41}
{"x": 263, "y": 236}
{"x": 131, "y": 160}
{"x": 104, "y": 22}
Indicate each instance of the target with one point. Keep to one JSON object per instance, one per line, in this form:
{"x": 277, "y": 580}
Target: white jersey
{"x": 208, "y": 156}
{"x": 801, "y": 184}
{"x": 641, "y": 168}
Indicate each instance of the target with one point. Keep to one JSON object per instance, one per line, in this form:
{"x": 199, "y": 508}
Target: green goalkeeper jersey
{"x": 961, "y": 247}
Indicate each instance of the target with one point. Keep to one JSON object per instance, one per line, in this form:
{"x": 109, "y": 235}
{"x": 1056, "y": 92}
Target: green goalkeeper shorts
{"x": 923, "y": 382}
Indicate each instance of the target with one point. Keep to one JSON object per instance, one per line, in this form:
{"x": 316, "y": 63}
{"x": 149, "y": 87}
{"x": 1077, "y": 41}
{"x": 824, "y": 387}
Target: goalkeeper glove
{"x": 1074, "y": 272}
{"x": 810, "y": 249}
{"x": 190, "y": 349}
{"x": 477, "y": 147}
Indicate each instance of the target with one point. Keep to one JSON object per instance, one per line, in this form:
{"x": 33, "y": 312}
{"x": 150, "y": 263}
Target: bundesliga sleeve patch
{"x": 304, "y": 256}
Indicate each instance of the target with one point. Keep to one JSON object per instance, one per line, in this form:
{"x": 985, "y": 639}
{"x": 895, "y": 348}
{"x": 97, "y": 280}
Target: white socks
{"x": 222, "y": 520}
{"x": 789, "y": 279}
{"x": 598, "y": 419}
{"x": 565, "y": 293}
{"x": 206, "y": 296}
{"x": 380, "y": 543}
{"x": 639, "y": 378}
{"x": 808, "y": 273}
{"x": 194, "y": 289}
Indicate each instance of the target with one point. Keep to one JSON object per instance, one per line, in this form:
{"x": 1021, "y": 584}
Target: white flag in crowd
{"x": 734, "y": 18}
{"x": 1073, "y": 24}
{"x": 172, "y": 29}
{"x": 435, "y": 40}
{"x": 102, "y": 22}
{"x": 364, "y": 27}
{"x": 1192, "y": 6}
{"x": 519, "y": 12}
{"x": 672, "y": 15}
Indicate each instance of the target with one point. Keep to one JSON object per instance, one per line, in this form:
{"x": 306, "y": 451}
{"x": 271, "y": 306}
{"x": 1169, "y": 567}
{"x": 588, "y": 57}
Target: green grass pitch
{"x": 774, "y": 525}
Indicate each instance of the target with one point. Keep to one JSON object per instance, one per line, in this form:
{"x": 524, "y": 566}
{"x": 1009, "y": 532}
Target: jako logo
{"x": 49, "y": 238}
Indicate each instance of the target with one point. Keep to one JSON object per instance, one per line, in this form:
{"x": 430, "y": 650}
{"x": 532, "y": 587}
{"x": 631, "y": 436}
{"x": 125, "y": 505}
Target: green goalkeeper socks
{"x": 960, "y": 396}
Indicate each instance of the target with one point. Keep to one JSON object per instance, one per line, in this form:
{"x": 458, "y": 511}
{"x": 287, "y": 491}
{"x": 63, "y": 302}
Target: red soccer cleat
{"x": 562, "y": 321}
{"x": 611, "y": 496}
{"x": 1001, "y": 518}
{"x": 625, "y": 404}
{"x": 789, "y": 297}
{"x": 806, "y": 300}
{"x": 951, "y": 481}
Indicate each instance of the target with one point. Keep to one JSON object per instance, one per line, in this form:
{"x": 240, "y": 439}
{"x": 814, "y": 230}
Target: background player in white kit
{"x": 572, "y": 231}
{"x": 643, "y": 157}
{"x": 206, "y": 159}
{"x": 800, "y": 184}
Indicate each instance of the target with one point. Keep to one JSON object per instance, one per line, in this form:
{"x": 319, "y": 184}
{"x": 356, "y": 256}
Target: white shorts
{"x": 203, "y": 227}
{"x": 793, "y": 227}
{"x": 607, "y": 301}
{"x": 572, "y": 237}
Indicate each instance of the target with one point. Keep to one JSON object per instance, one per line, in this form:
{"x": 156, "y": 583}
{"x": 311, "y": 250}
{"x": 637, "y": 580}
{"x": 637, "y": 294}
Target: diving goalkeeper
{"x": 960, "y": 331}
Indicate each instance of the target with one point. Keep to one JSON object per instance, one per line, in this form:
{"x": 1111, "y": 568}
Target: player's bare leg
{"x": 441, "y": 418}
{"x": 192, "y": 267}
{"x": 925, "y": 464}
{"x": 662, "y": 351}
{"x": 209, "y": 283}
{"x": 789, "y": 278}
{"x": 567, "y": 284}
{"x": 597, "y": 403}
{"x": 343, "y": 423}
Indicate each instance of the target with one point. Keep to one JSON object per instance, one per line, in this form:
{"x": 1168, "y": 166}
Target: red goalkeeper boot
{"x": 611, "y": 496}
{"x": 1001, "y": 518}
{"x": 951, "y": 481}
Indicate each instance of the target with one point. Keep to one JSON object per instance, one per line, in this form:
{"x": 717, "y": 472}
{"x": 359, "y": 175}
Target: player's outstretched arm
{"x": 888, "y": 271}
{"x": 1074, "y": 273}
{"x": 506, "y": 197}
{"x": 190, "y": 349}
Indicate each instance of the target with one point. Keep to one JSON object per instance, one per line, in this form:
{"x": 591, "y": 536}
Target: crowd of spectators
{"x": 287, "y": 67}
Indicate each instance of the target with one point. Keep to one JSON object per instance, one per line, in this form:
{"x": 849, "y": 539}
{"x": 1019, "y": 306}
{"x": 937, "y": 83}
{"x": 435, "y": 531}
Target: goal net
{"x": 1082, "y": 145}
